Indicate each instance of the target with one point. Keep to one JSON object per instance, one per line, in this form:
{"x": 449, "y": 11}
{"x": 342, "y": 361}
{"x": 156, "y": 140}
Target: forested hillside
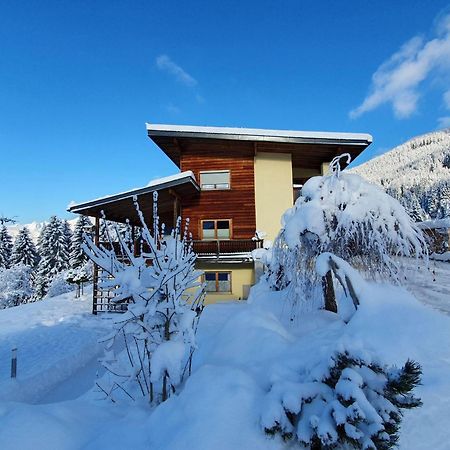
{"x": 417, "y": 173}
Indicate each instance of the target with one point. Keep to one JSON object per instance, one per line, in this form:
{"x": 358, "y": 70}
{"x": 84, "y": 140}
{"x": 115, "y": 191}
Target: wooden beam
{"x": 95, "y": 271}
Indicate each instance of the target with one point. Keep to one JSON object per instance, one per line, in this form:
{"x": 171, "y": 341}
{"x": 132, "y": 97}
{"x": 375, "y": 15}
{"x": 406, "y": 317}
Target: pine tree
{"x": 5, "y": 248}
{"x": 54, "y": 251}
{"x": 444, "y": 200}
{"x": 77, "y": 256}
{"x": 355, "y": 404}
{"x": 24, "y": 251}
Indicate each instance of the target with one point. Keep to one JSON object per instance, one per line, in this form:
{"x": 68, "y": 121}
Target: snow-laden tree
{"x": 164, "y": 297}
{"x": 77, "y": 256}
{"x": 352, "y": 403}
{"x": 59, "y": 285}
{"x": 54, "y": 253}
{"x": 15, "y": 286}
{"x": 79, "y": 277}
{"x": 5, "y": 248}
{"x": 24, "y": 251}
{"x": 343, "y": 214}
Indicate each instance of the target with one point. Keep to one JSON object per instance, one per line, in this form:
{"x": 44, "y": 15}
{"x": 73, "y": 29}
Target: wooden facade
{"x": 237, "y": 203}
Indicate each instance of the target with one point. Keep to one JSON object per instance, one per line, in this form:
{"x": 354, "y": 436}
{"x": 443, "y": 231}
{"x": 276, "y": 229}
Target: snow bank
{"x": 54, "y": 338}
{"x": 243, "y": 350}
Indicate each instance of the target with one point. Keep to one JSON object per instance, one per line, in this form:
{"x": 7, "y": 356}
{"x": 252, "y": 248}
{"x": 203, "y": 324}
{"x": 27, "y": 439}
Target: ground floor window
{"x": 218, "y": 281}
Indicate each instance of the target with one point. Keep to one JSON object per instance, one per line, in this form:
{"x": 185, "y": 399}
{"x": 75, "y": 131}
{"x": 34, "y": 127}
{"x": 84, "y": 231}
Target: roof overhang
{"x": 170, "y": 138}
{"x": 120, "y": 207}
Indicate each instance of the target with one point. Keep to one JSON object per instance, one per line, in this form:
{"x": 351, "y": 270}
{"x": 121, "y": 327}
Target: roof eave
{"x": 351, "y": 139}
{"x": 76, "y": 209}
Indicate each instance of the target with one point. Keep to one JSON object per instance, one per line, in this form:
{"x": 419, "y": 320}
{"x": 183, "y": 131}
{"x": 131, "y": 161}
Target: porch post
{"x": 95, "y": 274}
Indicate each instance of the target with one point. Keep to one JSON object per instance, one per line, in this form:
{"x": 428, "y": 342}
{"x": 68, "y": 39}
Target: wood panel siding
{"x": 237, "y": 203}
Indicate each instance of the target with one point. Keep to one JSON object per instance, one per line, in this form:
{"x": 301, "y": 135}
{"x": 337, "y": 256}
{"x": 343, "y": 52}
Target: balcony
{"x": 234, "y": 250}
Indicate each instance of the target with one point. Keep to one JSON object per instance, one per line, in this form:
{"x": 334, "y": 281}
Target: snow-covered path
{"x": 55, "y": 338}
{"x": 430, "y": 285}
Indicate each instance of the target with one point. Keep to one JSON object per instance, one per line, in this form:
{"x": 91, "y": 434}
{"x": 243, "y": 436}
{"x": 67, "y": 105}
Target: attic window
{"x": 215, "y": 180}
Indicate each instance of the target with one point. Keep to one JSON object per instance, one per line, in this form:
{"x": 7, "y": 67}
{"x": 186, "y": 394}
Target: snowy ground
{"x": 243, "y": 348}
{"x": 430, "y": 285}
{"x": 55, "y": 338}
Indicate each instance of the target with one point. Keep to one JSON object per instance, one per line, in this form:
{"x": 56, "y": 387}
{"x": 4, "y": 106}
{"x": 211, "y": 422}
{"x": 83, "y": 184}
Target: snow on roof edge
{"x": 257, "y": 132}
{"x": 171, "y": 178}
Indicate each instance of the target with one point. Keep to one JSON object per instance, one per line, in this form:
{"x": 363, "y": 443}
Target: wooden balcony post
{"x": 95, "y": 271}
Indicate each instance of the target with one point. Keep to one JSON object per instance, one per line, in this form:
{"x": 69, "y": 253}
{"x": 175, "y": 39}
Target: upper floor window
{"x": 216, "y": 229}
{"x": 217, "y": 179}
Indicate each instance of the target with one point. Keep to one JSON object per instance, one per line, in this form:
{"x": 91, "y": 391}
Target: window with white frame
{"x": 219, "y": 282}
{"x": 215, "y": 180}
{"x": 216, "y": 229}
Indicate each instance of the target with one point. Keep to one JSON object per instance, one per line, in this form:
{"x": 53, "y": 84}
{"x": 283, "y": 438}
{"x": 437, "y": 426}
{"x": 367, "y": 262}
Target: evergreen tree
{"x": 77, "y": 256}
{"x": 54, "y": 251}
{"x": 444, "y": 200}
{"x": 5, "y": 248}
{"x": 24, "y": 251}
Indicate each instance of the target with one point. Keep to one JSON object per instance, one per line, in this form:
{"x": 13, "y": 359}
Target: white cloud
{"x": 447, "y": 99}
{"x": 444, "y": 122}
{"x": 398, "y": 79}
{"x": 173, "y": 109}
{"x": 164, "y": 63}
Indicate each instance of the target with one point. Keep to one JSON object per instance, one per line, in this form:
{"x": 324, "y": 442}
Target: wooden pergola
{"x": 121, "y": 208}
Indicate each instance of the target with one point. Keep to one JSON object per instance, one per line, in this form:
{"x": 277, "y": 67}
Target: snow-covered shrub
{"x": 15, "y": 287}
{"x": 164, "y": 298}
{"x": 343, "y": 214}
{"x": 59, "y": 285}
{"x": 354, "y": 403}
{"x": 79, "y": 276}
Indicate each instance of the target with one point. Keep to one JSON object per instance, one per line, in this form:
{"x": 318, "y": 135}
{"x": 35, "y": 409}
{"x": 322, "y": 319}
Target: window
{"x": 216, "y": 229}
{"x": 218, "y": 282}
{"x": 215, "y": 180}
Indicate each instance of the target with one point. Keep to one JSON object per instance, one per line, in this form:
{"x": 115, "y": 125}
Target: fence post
{"x": 14, "y": 363}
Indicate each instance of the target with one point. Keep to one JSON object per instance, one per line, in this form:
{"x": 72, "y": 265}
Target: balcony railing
{"x": 209, "y": 248}
{"x": 218, "y": 248}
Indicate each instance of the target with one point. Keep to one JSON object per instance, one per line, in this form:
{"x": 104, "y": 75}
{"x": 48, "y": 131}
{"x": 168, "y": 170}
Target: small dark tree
{"x": 355, "y": 404}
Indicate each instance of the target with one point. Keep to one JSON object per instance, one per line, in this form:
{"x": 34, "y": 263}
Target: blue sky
{"x": 78, "y": 81}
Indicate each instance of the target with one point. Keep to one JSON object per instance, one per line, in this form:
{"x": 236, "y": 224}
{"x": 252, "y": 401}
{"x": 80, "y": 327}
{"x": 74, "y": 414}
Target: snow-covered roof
{"x": 435, "y": 223}
{"x": 154, "y": 185}
{"x": 257, "y": 134}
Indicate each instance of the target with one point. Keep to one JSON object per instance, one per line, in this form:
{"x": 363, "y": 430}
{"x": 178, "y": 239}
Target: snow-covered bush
{"x": 59, "y": 285}
{"x": 352, "y": 403}
{"x": 342, "y": 214}
{"x": 15, "y": 287}
{"x": 79, "y": 276}
{"x": 164, "y": 297}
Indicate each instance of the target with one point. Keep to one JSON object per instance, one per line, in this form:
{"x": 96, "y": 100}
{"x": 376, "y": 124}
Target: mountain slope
{"x": 417, "y": 173}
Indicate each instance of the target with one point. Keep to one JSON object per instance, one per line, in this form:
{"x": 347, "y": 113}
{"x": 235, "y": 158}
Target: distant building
{"x": 233, "y": 183}
{"x": 438, "y": 234}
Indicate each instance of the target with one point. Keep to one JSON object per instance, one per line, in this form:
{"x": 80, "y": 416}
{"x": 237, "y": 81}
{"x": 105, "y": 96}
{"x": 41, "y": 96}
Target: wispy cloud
{"x": 397, "y": 80}
{"x": 444, "y": 122}
{"x": 165, "y": 64}
{"x": 173, "y": 109}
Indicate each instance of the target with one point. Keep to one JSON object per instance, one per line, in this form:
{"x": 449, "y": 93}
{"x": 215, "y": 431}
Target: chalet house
{"x": 232, "y": 182}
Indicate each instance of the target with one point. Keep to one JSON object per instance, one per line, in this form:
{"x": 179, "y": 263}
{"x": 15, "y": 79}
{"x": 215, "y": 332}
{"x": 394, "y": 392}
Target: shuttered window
{"x": 213, "y": 180}
{"x": 218, "y": 282}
